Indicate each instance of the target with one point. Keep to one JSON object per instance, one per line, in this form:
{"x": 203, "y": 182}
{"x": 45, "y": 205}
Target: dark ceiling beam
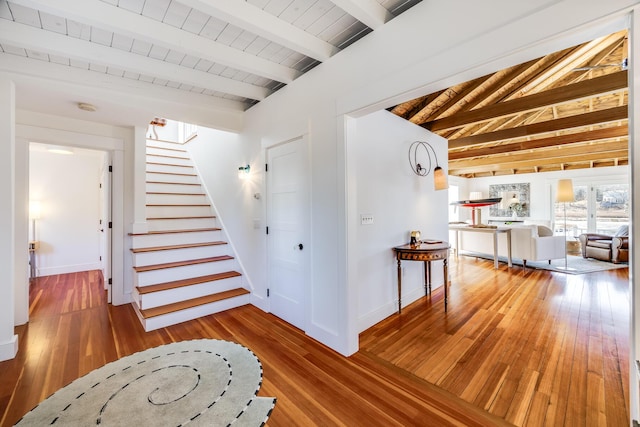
{"x": 576, "y": 121}
{"x": 554, "y": 141}
{"x": 573, "y": 92}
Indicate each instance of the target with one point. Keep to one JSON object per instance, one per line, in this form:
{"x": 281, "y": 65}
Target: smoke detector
{"x": 87, "y": 107}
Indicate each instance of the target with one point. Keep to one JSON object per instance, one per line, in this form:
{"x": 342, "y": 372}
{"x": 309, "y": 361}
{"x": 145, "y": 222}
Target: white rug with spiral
{"x": 200, "y": 383}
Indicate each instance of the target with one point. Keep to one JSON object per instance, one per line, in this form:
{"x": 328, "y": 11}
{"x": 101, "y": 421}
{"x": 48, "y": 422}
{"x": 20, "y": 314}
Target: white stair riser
{"x": 161, "y": 177}
{"x": 157, "y": 322}
{"x": 164, "y": 275}
{"x": 181, "y": 224}
{"x": 177, "y": 199}
{"x": 178, "y": 211}
{"x": 169, "y": 169}
{"x": 173, "y": 160}
{"x": 157, "y": 299}
{"x": 176, "y": 255}
{"x": 170, "y": 151}
{"x": 165, "y": 144}
{"x": 152, "y": 187}
{"x": 150, "y": 240}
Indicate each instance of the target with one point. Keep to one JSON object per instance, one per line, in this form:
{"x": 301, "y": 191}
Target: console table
{"x": 426, "y": 252}
{"x": 495, "y": 230}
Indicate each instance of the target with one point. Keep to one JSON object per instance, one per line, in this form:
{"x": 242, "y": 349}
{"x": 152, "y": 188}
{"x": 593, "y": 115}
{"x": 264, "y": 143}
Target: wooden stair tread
{"x": 182, "y": 305}
{"x": 182, "y": 217}
{"x": 179, "y": 205}
{"x": 165, "y": 148}
{"x": 182, "y": 263}
{"x": 174, "y": 183}
{"x": 171, "y": 247}
{"x": 176, "y": 194}
{"x": 168, "y": 156}
{"x": 173, "y": 173}
{"x": 143, "y": 290}
{"x": 169, "y": 164}
{"x": 191, "y": 230}
{"x": 163, "y": 140}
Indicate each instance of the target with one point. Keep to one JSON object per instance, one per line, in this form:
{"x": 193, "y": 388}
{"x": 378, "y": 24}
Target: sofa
{"x": 606, "y": 247}
{"x": 528, "y": 243}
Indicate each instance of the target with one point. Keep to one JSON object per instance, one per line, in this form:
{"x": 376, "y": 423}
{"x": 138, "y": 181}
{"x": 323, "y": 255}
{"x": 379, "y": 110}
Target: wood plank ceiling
{"x": 237, "y": 52}
{"x": 566, "y": 110}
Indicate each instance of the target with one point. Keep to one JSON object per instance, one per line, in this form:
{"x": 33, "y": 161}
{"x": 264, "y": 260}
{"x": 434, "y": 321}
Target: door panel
{"x": 287, "y": 241}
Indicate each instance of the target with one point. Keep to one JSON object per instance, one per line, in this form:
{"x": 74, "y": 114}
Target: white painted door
{"x": 288, "y": 243}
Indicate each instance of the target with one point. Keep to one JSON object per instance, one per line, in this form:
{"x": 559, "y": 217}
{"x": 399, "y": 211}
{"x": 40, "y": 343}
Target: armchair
{"x": 605, "y": 247}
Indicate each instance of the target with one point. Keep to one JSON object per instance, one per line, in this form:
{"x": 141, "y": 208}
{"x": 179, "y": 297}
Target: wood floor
{"x": 533, "y": 347}
{"x": 527, "y": 348}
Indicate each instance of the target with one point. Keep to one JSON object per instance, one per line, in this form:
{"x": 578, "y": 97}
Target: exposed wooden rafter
{"x": 566, "y": 110}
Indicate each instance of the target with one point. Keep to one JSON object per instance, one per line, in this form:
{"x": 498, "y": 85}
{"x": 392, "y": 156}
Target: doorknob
{"x": 300, "y": 246}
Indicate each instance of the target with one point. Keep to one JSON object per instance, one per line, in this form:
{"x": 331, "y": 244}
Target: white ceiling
{"x": 222, "y": 55}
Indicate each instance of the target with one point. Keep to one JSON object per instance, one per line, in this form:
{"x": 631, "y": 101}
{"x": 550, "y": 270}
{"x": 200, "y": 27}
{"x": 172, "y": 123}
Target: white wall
{"x": 239, "y": 203}
{"x": 67, "y": 186}
{"x": 400, "y": 201}
{"x": 8, "y": 236}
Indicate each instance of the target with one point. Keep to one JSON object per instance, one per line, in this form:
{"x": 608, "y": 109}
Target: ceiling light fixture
{"x": 86, "y": 107}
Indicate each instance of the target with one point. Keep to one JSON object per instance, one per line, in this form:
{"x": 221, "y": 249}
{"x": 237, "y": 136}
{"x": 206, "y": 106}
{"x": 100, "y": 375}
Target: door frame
{"x": 115, "y": 149}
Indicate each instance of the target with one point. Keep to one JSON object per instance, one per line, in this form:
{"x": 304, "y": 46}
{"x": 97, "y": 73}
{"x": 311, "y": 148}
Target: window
{"x": 597, "y": 208}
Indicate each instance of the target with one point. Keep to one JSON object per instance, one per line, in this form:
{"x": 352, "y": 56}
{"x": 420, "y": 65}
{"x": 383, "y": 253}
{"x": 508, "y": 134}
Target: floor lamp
{"x": 35, "y": 211}
{"x": 564, "y": 194}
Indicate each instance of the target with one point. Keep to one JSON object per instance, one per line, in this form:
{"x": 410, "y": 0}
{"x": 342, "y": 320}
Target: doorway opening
{"x": 72, "y": 188}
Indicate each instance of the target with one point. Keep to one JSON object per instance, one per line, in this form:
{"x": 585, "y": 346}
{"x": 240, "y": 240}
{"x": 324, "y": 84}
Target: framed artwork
{"x": 515, "y": 197}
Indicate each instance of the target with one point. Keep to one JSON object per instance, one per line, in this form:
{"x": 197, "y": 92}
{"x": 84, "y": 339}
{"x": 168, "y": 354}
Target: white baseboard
{"x": 391, "y": 308}
{"x": 65, "y": 269}
{"x": 9, "y": 349}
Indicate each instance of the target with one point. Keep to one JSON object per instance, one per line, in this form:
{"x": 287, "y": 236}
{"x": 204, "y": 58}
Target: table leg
{"x": 427, "y": 277}
{"x": 399, "y": 287}
{"x": 446, "y": 283}
{"x": 510, "y": 264}
{"x": 495, "y": 250}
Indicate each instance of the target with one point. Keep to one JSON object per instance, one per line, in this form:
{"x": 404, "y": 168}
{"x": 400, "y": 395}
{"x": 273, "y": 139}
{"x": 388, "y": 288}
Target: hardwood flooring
{"x": 532, "y": 347}
{"x": 527, "y": 348}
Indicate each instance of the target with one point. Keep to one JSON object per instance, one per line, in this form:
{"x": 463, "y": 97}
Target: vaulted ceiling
{"x": 566, "y": 110}
{"x": 228, "y": 54}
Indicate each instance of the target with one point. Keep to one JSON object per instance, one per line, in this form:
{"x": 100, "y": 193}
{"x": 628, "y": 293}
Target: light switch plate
{"x": 366, "y": 219}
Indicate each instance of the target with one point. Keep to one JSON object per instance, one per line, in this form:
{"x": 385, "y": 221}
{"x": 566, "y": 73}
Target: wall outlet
{"x": 366, "y": 219}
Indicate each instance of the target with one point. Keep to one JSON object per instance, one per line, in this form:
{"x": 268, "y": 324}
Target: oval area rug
{"x": 198, "y": 382}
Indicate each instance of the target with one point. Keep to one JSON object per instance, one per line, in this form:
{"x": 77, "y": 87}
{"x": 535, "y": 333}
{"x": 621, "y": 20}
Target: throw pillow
{"x": 622, "y": 231}
{"x": 544, "y": 231}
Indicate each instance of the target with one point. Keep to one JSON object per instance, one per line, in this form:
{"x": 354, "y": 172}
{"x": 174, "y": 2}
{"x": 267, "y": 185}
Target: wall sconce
{"x": 243, "y": 171}
{"x": 439, "y": 177}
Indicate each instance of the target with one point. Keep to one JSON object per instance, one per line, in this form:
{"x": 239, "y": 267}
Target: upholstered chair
{"x": 620, "y": 249}
{"x": 602, "y": 246}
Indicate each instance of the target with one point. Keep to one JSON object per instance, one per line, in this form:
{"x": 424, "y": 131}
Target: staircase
{"x": 183, "y": 267}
